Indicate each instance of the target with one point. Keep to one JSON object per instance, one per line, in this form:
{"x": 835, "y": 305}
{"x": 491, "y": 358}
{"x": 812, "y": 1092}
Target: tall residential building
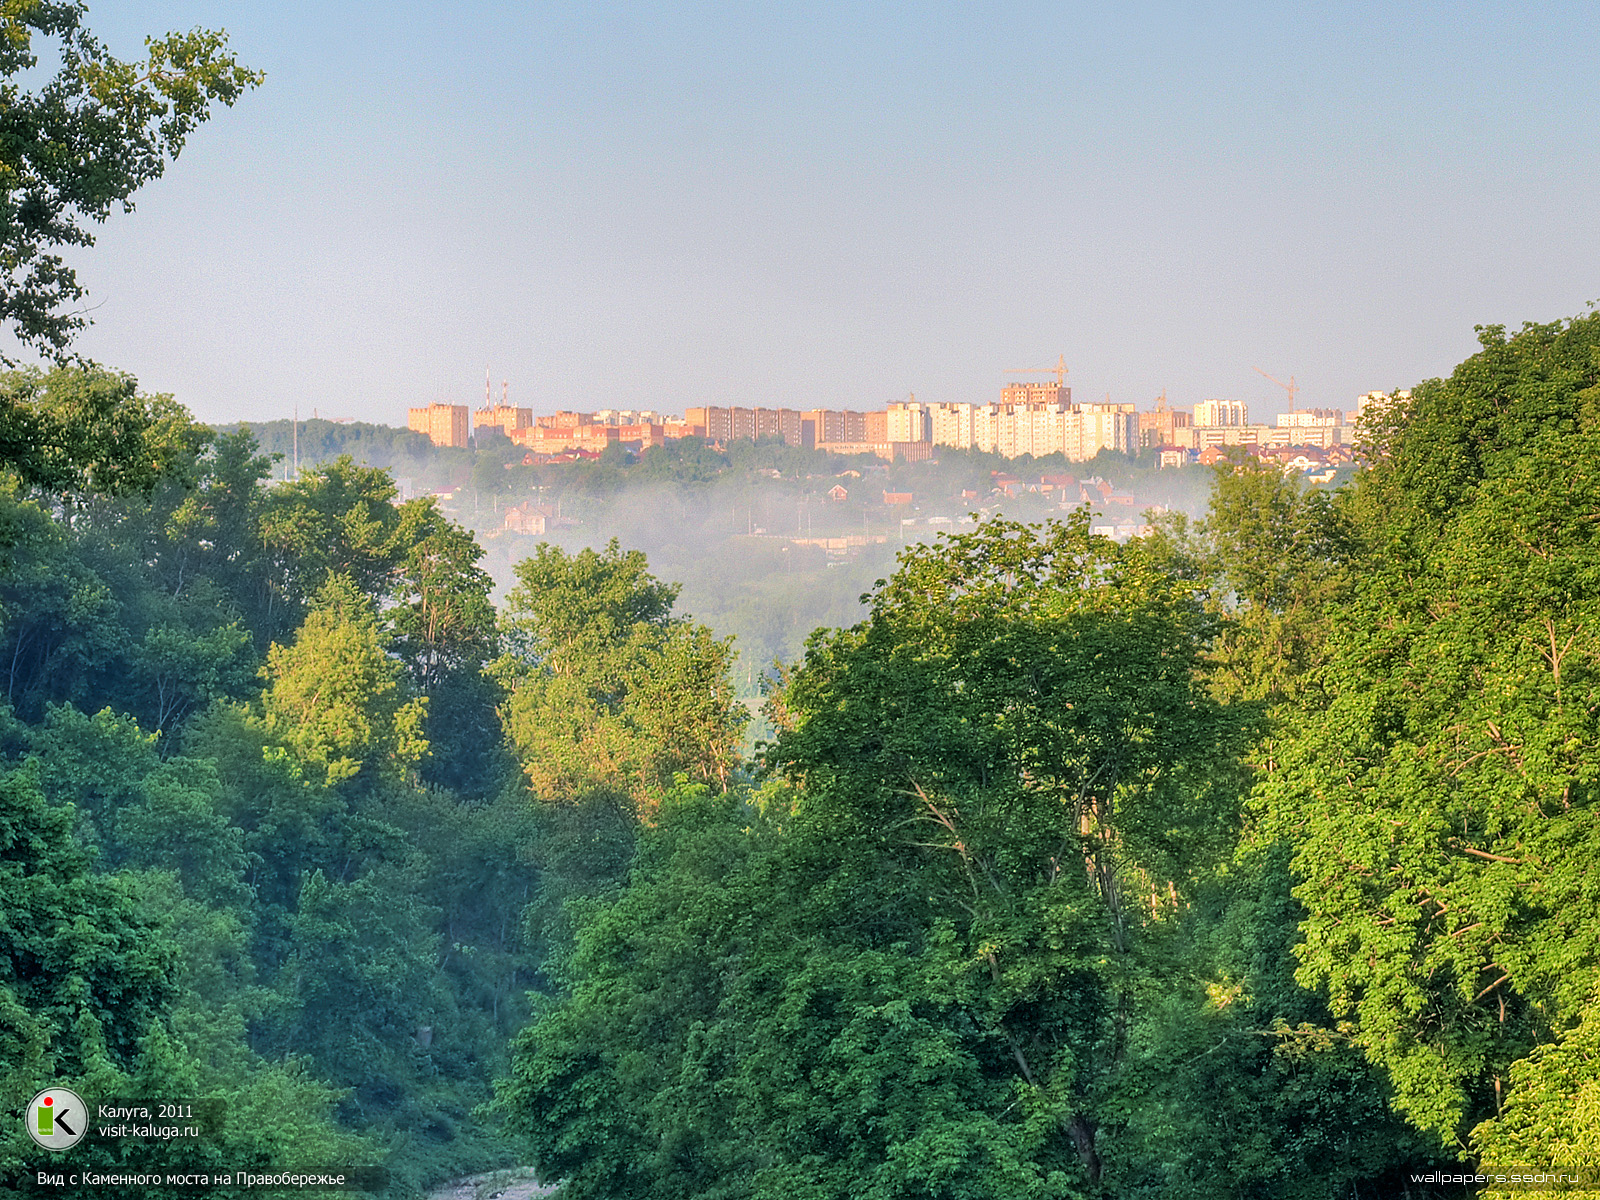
{"x": 1104, "y": 426}
{"x": 1054, "y": 426}
{"x": 951, "y": 425}
{"x": 445, "y": 424}
{"x": 747, "y": 424}
{"x": 822, "y": 425}
{"x": 1311, "y": 418}
{"x": 1322, "y": 427}
{"x": 909, "y": 421}
{"x": 1160, "y": 426}
{"x": 1035, "y": 393}
{"x": 503, "y": 417}
{"x": 1214, "y": 414}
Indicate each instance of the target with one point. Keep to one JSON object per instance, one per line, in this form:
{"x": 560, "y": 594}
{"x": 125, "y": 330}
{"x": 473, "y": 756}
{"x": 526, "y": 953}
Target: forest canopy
{"x": 1170, "y": 868}
{"x": 1251, "y": 857}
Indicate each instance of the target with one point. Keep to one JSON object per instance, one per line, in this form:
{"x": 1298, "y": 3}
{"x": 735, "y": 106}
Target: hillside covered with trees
{"x": 1252, "y": 857}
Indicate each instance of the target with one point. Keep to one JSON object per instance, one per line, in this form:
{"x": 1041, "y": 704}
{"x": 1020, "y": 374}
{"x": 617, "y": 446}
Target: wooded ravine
{"x": 1253, "y": 857}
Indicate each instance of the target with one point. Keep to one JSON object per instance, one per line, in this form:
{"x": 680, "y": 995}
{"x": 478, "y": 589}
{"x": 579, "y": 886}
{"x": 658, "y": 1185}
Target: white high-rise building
{"x": 952, "y": 425}
{"x": 1311, "y": 418}
{"x": 1223, "y": 414}
{"x": 1078, "y": 431}
{"x": 909, "y": 421}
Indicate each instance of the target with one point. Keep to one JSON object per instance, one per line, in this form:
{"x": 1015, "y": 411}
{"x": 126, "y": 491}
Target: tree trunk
{"x": 1082, "y": 1130}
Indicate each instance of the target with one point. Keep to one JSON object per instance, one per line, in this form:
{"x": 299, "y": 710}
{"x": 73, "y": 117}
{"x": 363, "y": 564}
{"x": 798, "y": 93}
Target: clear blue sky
{"x": 838, "y": 204}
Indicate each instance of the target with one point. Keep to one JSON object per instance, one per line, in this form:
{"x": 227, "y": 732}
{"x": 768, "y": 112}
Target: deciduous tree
{"x": 607, "y": 692}
{"x": 83, "y": 141}
{"x": 1443, "y": 802}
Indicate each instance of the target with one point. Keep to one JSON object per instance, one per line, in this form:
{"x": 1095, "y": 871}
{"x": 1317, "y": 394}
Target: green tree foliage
{"x": 917, "y": 973}
{"x": 608, "y": 694}
{"x": 1278, "y": 549}
{"x": 335, "y": 520}
{"x": 1236, "y": 1084}
{"x": 85, "y": 966}
{"x": 91, "y": 431}
{"x": 1020, "y": 733}
{"x": 334, "y": 699}
{"x": 1442, "y": 803}
{"x": 1551, "y": 1118}
{"x": 87, "y": 139}
{"x": 107, "y": 984}
{"x": 443, "y": 620}
{"x": 203, "y": 538}
{"x": 727, "y": 1033}
{"x": 312, "y": 905}
{"x": 104, "y": 596}
{"x": 445, "y": 634}
{"x": 211, "y": 888}
{"x": 60, "y": 616}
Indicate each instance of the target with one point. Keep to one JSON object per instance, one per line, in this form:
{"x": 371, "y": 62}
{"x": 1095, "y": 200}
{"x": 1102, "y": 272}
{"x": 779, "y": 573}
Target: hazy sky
{"x": 661, "y": 205}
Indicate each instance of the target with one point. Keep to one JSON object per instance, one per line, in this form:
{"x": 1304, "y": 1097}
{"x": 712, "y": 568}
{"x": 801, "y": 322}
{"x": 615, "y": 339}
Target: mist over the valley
{"x": 743, "y": 529}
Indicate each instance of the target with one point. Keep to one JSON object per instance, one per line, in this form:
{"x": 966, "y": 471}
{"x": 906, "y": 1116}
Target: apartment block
{"x": 1311, "y": 418}
{"x": 951, "y": 425}
{"x": 625, "y": 416}
{"x": 445, "y": 424}
{"x": 504, "y": 417}
{"x": 747, "y": 424}
{"x": 1036, "y": 393}
{"x": 1036, "y": 427}
{"x": 1161, "y": 427}
{"x": 1221, "y": 414}
{"x": 905, "y": 452}
{"x": 562, "y": 420}
{"x": 1209, "y": 436}
{"x": 909, "y": 421}
{"x": 1322, "y": 427}
{"x": 558, "y": 439}
{"x": 822, "y": 425}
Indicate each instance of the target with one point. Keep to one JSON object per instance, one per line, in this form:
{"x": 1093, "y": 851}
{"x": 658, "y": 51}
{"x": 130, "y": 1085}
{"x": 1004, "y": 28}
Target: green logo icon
{"x": 57, "y": 1118}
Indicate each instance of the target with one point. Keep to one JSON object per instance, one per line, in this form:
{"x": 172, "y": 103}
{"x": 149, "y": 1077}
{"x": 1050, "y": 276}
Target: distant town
{"x": 1032, "y": 418}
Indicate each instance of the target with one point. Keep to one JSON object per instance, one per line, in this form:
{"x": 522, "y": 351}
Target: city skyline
{"x": 673, "y": 206}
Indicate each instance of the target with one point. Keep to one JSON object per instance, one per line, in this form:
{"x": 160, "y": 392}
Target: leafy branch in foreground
{"x": 87, "y": 139}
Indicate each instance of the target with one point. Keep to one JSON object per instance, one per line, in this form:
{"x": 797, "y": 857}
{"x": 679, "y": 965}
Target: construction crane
{"x": 1289, "y": 387}
{"x": 1059, "y": 371}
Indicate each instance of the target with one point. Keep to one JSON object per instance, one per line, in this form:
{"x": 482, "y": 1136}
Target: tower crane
{"x": 1289, "y": 387}
{"x": 1059, "y": 371}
